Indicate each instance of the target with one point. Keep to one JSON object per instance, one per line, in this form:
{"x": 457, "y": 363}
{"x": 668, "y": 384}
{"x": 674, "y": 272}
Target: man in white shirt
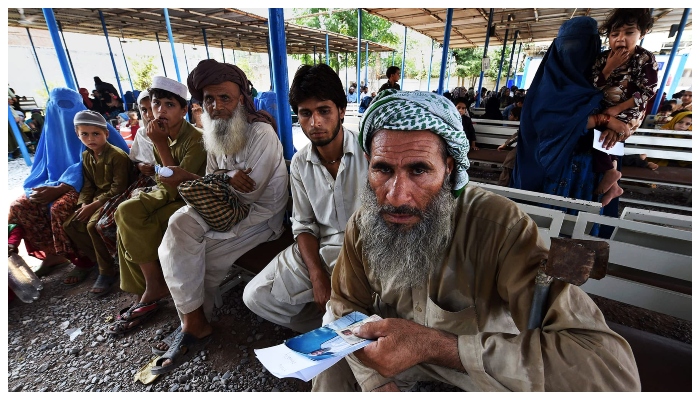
{"x": 326, "y": 176}
{"x": 195, "y": 258}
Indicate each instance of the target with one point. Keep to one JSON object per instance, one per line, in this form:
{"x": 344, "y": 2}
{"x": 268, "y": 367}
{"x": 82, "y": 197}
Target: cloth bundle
{"x": 214, "y": 199}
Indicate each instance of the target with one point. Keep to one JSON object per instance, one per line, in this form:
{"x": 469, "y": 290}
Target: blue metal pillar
{"x": 234, "y": 56}
{"x": 346, "y": 73}
{"x": 70, "y": 60}
{"x": 512, "y": 52}
{"x": 392, "y": 58}
{"x": 445, "y": 50}
{"x": 486, "y": 49}
{"x": 314, "y": 54}
{"x": 430, "y": 67}
{"x": 682, "y": 58}
{"x": 18, "y": 136}
{"x": 517, "y": 60}
{"x": 500, "y": 65}
{"x": 187, "y": 66}
{"x": 223, "y": 55}
{"x": 328, "y": 55}
{"x": 366, "y": 63}
{"x": 674, "y": 50}
{"x": 403, "y": 59}
{"x": 206, "y": 43}
{"x": 36, "y": 57}
{"x": 60, "y": 51}
{"x": 172, "y": 43}
{"x": 359, "y": 51}
{"x": 111, "y": 57}
{"x": 131, "y": 83}
{"x": 279, "y": 55}
{"x": 165, "y": 72}
{"x": 269, "y": 60}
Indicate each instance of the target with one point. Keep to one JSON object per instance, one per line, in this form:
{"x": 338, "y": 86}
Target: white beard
{"x": 225, "y": 136}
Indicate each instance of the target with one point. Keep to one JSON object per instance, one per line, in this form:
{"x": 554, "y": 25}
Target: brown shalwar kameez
{"x": 142, "y": 221}
{"x": 482, "y": 292}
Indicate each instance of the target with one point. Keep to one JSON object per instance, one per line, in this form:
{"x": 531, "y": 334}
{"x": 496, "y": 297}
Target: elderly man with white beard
{"x": 451, "y": 269}
{"x": 194, "y": 257}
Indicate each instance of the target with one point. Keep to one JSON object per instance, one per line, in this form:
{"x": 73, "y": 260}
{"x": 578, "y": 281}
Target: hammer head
{"x": 575, "y": 260}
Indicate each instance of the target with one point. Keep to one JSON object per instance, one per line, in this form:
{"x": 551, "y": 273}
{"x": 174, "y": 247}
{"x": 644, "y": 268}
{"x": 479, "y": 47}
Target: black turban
{"x": 211, "y": 72}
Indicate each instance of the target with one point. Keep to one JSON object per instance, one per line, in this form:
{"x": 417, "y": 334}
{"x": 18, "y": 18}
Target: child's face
{"x": 168, "y": 111}
{"x": 683, "y": 124}
{"x": 94, "y": 137}
{"x": 462, "y": 108}
{"x": 625, "y": 36}
{"x": 133, "y": 116}
{"x": 146, "y": 110}
{"x": 687, "y": 97}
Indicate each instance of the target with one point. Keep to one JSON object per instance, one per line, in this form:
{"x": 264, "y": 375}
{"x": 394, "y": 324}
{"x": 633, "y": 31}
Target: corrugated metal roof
{"x": 534, "y": 24}
{"x": 237, "y": 29}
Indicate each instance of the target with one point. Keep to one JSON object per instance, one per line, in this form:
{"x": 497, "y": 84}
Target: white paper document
{"x": 309, "y": 354}
{"x": 617, "y": 150}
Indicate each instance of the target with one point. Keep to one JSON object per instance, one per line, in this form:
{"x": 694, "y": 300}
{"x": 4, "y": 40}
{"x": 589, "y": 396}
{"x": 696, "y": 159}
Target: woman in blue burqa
{"x": 52, "y": 187}
{"x": 554, "y": 149}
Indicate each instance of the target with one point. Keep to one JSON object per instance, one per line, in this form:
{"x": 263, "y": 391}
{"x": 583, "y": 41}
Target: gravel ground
{"x": 42, "y": 357}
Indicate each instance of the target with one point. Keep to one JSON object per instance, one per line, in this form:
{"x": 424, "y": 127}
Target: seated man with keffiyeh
{"x": 451, "y": 270}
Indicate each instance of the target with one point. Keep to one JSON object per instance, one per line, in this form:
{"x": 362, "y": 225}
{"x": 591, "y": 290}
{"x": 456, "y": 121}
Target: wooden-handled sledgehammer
{"x": 572, "y": 261}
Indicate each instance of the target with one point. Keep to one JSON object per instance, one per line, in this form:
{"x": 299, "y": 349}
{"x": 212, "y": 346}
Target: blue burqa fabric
{"x": 58, "y": 156}
{"x": 557, "y": 106}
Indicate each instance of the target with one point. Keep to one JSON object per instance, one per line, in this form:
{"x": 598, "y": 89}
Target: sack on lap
{"x": 215, "y": 201}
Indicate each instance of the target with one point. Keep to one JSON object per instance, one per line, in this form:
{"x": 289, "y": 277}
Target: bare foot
{"x": 652, "y": 166}
{"x": 615, "y": 191}
{"x": 610, "y": 177}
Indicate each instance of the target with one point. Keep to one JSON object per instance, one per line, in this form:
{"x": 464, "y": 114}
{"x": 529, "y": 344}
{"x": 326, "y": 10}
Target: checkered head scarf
{"x": 414, "y": 111}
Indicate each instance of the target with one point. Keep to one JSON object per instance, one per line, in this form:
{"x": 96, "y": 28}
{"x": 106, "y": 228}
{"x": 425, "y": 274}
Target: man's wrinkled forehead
{"x": 226, "y": 87}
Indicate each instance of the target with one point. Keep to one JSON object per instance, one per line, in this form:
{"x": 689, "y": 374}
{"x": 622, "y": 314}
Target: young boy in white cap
{"x": 142, "y": 221}
{"x": 105, "y": 175}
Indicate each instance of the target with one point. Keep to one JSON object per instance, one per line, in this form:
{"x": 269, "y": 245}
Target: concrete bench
{"x": 650, "y": 265}
{"x": 28, "y": 104}
{"x": 677, "y": 221}
{"x": 535, "y": 198}
{"x": 653, "y": 143}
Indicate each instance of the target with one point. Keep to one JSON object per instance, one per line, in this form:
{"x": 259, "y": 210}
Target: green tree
{"x": 468, "y": 65}
{"x": 143, "y": 69}
{"x": 495, "y": 56}
{"x": 42, "y": 94}
{"x": 374, "y": 28}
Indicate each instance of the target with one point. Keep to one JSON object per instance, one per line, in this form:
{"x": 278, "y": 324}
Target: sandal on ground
{"x": 184, "y": 346}
{"x": 104, "y": 284}
{"x": 126, "y": 321}
{"x": 168, "y": 340}
{"x": 44, "y": 270}
{"x": 80, "y": 273}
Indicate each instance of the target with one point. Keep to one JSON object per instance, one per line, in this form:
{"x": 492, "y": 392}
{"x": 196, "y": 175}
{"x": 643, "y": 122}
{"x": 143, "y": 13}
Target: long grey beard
{"x": 405, "y": 258}
{"x": 225, "y": 136}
